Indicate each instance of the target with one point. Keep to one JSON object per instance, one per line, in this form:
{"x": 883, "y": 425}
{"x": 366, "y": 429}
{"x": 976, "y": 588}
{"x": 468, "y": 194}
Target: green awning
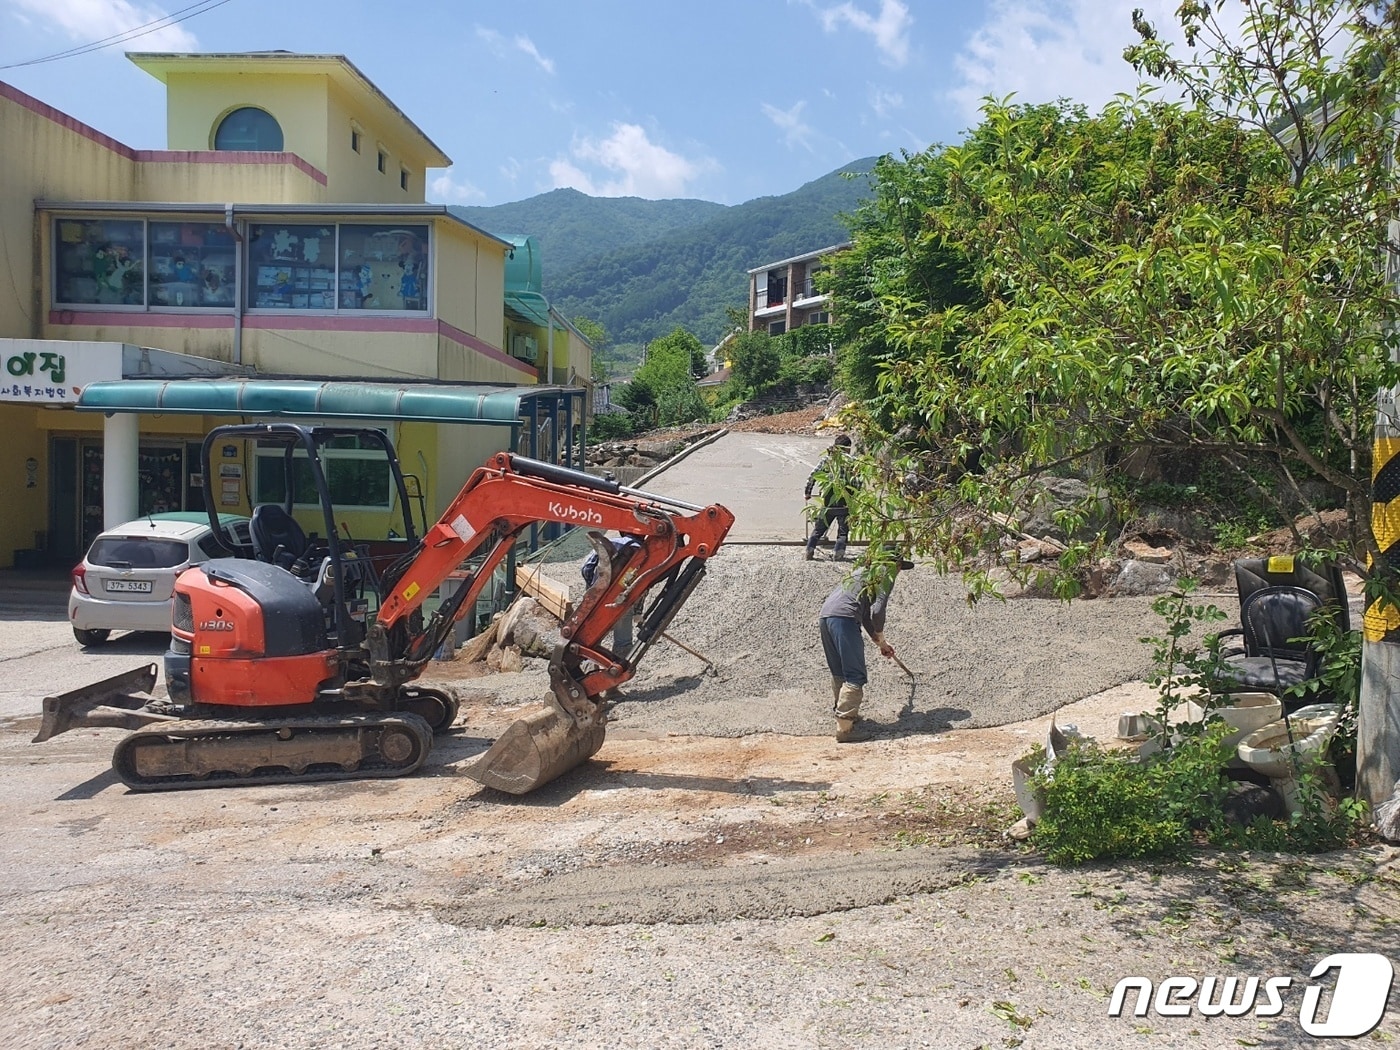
{"x": 496, "y": 406}
{"x": 531, "y": 306}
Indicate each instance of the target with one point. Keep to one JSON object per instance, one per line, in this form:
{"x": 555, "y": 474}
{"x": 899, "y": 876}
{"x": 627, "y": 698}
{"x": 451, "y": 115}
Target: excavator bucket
{"x": 535, "y": 750}
{"x": 107, "y": 703}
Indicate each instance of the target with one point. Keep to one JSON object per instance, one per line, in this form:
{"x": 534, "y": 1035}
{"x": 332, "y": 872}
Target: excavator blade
{"x": 536, "y": 749}
{"x": 107, "y": 703}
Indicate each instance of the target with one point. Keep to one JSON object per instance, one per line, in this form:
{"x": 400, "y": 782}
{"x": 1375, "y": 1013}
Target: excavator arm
{"x": 500, "y": 500}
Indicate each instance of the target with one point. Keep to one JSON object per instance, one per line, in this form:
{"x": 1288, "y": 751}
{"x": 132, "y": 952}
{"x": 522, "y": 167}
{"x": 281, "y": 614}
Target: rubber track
{"x": 369, "y": 767}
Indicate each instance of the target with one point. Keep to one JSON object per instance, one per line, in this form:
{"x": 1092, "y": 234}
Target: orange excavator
{"x": 276, "y": 672}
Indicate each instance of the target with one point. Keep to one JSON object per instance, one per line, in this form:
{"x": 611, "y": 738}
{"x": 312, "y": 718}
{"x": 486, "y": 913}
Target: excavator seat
{"x": 277, "y": 538}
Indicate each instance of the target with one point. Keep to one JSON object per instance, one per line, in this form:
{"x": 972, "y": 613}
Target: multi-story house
{"x": 782, "y": 295}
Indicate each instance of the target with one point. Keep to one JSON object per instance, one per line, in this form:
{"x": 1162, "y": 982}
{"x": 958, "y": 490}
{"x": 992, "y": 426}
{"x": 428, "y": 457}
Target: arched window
{"x": 249, "y": 129}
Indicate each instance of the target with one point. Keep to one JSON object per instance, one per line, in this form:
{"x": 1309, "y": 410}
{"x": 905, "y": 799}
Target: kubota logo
{"x": 215, "y": 625}
{"x": 568, "y": 512}
{"x": 1357, "y": 1004}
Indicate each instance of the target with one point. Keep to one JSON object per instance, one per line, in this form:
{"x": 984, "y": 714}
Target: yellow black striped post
{"x": 1378, "y": 708}
{"x": 1382, "y": 620}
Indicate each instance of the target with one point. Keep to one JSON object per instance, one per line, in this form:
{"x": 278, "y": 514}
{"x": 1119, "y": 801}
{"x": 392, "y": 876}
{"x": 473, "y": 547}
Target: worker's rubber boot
{"x": 848, "y": 712}
{"x": 836, "y": 684}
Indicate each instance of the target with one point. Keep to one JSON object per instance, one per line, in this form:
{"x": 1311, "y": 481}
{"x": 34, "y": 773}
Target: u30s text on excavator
{"x": 279, "y": 671}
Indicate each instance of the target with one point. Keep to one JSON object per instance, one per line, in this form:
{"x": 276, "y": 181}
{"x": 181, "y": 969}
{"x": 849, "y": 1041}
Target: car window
{"x": 210, "y": 546}
{"x": 138, "y": 553}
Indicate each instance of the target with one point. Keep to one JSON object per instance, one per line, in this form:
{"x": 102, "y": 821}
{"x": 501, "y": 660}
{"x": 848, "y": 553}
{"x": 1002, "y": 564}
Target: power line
{"x": 184, "y": 14}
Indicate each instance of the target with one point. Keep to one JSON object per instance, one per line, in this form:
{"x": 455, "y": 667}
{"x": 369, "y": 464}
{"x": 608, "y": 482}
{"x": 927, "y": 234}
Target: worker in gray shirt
{"x": 857, "y": 602}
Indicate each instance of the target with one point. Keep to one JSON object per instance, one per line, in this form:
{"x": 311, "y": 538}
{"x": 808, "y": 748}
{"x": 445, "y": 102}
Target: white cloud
{"x": 447, "y": 190}
{"x": 524, "y": 43}
{"x": 889, "y": 29}
{"x": 501, "y": 47}
{"x": 91, "y": 20}
{"x": 510, "y": 170}
{"x": 796, "y": 132}
{"x": 885, "y": 102}
{"x": 625, "y": 164}
{"x": 1047, "y": 49}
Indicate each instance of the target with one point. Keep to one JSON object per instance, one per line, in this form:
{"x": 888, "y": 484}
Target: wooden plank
{"x": 551, "y": 594}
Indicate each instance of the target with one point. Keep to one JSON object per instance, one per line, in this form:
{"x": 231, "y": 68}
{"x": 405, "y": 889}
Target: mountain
{"x": 571, "y": 226}
{"x": 643, "y": 268}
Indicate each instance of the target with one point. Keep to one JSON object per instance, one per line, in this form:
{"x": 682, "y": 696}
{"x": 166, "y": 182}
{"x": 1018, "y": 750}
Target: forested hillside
{"x": 571, "y": 226}
{"x": 642, "y": 268}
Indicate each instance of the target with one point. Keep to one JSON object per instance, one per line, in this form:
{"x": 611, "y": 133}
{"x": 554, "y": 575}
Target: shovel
{"x": 709, "y": 664}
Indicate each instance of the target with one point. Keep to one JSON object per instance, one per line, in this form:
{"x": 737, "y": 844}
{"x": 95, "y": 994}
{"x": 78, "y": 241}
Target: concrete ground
{"x": 685, "y": 888}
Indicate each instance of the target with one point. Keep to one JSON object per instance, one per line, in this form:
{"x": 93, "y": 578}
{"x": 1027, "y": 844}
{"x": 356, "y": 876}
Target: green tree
{"x": 1204, "y": 277}
{"x": 663, "y": 390}
{"x": 757, "y": 360}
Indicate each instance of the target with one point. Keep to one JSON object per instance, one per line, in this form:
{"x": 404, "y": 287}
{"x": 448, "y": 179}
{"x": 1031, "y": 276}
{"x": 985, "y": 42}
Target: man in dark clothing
{"x": 854, "y": 604}
{"x": 834, "y": 472}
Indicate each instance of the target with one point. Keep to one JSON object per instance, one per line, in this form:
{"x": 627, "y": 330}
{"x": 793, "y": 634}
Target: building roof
{"x": 338, "y": 68}
{"x": 801, "y": 258}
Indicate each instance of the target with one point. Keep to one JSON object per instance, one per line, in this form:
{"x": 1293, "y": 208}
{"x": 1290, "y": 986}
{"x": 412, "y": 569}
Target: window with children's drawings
{"x": 291, "y": 266}
{"x": 143, "y": 264}
{"x": 383, "y": 267}
{"x": 193, "y": 264}
{"x": 345, "y": 267}
{"x": 100, "y": 262}
{"x": 139, "y": 263}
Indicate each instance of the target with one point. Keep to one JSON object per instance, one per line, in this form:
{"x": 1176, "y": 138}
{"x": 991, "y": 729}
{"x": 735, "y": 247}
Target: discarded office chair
{"x": 1323, "y": 578}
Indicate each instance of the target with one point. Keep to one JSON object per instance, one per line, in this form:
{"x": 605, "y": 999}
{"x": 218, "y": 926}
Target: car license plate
{"x": 129, "y": 586}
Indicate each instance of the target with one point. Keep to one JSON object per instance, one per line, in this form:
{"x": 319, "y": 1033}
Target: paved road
{"x": 759, "y": 477}
{"x": 38, "y": 654}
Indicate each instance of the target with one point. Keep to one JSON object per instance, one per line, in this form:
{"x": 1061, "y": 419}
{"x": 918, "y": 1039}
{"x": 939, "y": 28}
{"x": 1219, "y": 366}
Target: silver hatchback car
{"x": 125, "y": 581}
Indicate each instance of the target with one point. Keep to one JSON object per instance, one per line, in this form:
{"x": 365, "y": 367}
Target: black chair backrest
{"x": 1323, "y": 578}
{"x": 273, "y": 527}
{"x": 1273, "y": 617}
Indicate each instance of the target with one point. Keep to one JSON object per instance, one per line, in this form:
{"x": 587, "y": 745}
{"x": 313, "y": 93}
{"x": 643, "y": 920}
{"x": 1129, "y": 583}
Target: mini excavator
{"x": 278, "y": 673}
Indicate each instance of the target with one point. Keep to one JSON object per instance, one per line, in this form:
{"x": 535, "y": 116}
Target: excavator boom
{"x": 502, "y": 498}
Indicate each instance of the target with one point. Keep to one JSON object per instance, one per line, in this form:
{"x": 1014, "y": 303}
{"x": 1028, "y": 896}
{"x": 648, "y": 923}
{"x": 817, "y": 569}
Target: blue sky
{"x": 716, "y": 99}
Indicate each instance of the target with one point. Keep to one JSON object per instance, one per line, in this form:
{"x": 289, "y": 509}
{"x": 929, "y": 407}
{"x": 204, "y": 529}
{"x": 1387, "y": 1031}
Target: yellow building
{"x": 283, "y": 233}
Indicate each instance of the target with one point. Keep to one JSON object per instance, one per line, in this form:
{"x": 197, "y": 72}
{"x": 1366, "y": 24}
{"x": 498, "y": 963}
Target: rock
{"x": 1141, "y": 551}
{"x": 505, "y": 660}
{"x": 1140, "y": 578}
{"x": 1055, "y": 494}
{"x": 530, "y": 627}
{"x": 1387, "y": 817}
{"x": 1247, "y": 801}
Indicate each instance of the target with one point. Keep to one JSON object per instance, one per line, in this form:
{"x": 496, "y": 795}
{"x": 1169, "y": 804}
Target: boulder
{"x": 1142, "y": 577}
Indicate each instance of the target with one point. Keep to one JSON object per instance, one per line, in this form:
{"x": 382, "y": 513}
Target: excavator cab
{"x": 304, "y": 479}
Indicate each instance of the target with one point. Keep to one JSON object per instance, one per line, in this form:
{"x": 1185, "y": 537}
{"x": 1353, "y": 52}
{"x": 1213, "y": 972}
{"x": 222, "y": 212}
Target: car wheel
{"x": 90, "y": 637}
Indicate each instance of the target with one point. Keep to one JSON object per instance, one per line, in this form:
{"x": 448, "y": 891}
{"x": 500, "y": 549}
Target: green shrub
{"x": 610, "y": 427}
{"x": 1100, "y": 805}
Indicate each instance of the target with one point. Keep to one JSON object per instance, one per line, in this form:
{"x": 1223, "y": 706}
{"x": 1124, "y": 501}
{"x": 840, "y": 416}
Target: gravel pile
{"x": 755, "y": 616}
